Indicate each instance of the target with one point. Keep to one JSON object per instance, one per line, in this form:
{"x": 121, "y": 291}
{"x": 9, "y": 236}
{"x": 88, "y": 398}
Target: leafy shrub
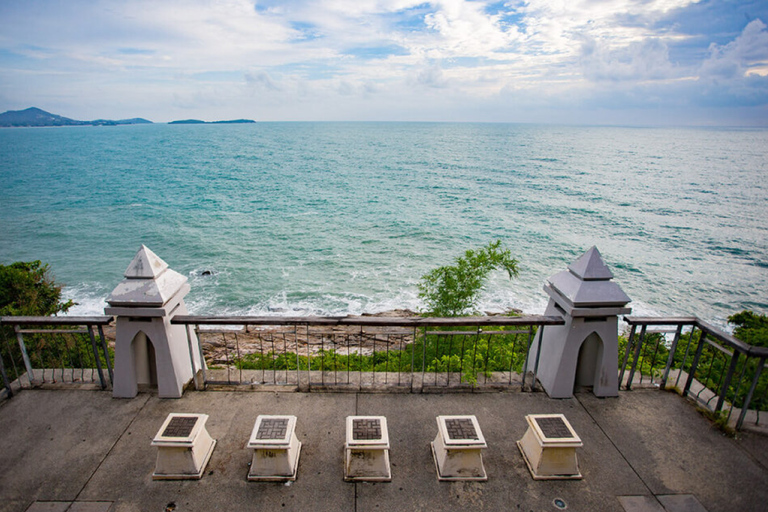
{"x": 453, "y": 290}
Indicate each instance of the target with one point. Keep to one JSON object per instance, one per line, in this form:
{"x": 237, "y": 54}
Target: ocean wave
{"x": 89, "y": 300}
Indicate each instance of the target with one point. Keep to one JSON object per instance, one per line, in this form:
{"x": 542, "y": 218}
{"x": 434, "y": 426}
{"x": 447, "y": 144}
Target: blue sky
{"x": 626, "y": 62}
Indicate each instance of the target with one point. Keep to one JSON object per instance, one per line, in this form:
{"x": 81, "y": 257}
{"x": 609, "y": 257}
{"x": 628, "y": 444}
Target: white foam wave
{"x": 89, "y": 299}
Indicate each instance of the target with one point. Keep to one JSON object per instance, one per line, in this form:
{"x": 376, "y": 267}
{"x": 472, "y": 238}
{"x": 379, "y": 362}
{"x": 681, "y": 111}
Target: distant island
{"x": 36, "y": 117}
{"x": 198, "y": 121}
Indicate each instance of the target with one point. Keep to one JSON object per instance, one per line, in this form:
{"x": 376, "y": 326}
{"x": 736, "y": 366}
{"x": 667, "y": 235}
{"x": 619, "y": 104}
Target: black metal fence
{"x": 366, "y": 353}
{"x": 722, "y": 373}
{"x": 49, "y": 350}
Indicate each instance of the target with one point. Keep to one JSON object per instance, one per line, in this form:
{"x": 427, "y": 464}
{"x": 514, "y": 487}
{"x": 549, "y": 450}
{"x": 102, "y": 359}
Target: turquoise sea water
{"x": 336, "y": 218}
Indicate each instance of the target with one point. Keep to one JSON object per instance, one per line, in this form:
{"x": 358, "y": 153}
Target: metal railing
{"x": 722, "y": 373}
{"x": 412, "y": 354}
{"x": 55, "y": 350}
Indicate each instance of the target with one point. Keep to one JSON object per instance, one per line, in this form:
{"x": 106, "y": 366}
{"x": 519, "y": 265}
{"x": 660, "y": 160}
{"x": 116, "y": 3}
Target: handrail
{"x": 710, "y": 335}
{"x": 473, "y": 321}
{"x": 90, "y": 322}
{"x": 56, "y": 320}
{"x": 350, "y": 342}
{"x": 711, "y": 330}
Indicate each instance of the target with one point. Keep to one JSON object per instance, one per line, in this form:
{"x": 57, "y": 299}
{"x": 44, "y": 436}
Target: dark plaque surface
{"x": 461, "y": 428}
{"x": 180, "y": 426}
{"x": 272, "y": 428}
{"x": 553, "y": 428}
{"x": 366, "y": 430}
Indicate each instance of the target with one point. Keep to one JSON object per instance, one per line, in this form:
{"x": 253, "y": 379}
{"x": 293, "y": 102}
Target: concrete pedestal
{"x": 184, "y": 447}
{"x": 275, "y": 449}
{"x": 457, "y": 449}
{"x": 366, "y": 451}
{"x": 549, "y": 447}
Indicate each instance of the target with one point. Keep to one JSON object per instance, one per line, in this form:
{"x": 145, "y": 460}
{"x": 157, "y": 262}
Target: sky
{"x": 614, "y": 62}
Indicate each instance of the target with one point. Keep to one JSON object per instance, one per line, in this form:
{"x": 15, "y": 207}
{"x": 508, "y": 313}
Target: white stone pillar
{"x": 147, "y": 346}
{"x": 585, "y": 350}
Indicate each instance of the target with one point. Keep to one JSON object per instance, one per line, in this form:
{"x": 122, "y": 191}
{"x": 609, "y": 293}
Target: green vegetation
{"x": 29, "y": 289}
{"x": 750, "y": 328}
{"x": 453, "y": 290}
{"x": 465, "y": 353}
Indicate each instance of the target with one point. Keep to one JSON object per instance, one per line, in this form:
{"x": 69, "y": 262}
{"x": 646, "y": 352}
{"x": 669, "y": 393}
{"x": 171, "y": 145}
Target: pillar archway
{"x": 145, "y": 358}
{"x": 589, "y": 362}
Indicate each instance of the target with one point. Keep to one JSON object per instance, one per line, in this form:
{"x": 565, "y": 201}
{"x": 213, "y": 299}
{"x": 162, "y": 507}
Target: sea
{"x": 344, "y": 218}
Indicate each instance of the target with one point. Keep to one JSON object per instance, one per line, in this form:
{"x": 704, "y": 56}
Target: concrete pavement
{"x": 643, "y": 451}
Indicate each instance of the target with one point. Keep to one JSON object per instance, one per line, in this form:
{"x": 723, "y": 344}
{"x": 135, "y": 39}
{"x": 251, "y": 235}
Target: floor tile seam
{"x": 618, "y": 450}
{"x": 111, "y": 448}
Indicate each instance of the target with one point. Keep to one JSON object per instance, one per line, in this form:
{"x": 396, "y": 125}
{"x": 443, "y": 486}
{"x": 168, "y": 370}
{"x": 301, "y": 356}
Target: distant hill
{"x": 36, "y": 117}
{"x": 235, "y": 121}
{"x": 108, "y": 122}
{"x": 197, "y": 121}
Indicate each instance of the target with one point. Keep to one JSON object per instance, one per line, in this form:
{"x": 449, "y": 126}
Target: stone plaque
{"x": 180, "y": 426}
{"x": 553, "y": 427}
{"x": 366, "y": 429}
{"x": 273, "y": 428}
{"x": 461, "y": 428}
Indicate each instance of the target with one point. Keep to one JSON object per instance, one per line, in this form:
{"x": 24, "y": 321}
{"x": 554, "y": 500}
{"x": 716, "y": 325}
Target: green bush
{"x": 29, "y": 289}
{"x": 750, "y": 328}
{"x": 467, "y": 354}
{"x": 453, "y": 290}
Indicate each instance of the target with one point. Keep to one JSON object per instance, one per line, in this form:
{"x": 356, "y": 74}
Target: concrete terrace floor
{"x": 83, "y": 451}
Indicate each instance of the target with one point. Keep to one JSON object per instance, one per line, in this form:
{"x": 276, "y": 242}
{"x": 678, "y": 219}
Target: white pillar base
{"x": 457, "y": 449}
{"x": 366, "y": 451}
{"x": 549, "y": 448}
{"x": 275, "y": 448}
{"x": 184, "y": 447}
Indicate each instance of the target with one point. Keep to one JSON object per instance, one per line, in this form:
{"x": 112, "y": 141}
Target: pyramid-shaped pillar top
{"x": 587, "y": 284}
{"x": 145, "y": 265}
{"x": 148, "y": 282}
{"x": 591, "y": 267}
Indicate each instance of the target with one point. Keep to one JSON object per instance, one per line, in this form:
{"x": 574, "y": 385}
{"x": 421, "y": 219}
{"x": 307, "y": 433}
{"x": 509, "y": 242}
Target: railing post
{"x": 671, "y": 357}
{"x": 728, "y": 377}
{"x": 6, "y": 382}
{"x": 192, "y": 358}
{"x": 640, "y": 342}
{"x": 538, "y": 354}
{"x": 107, "y": 361}
{"x": 626, "y": 352}
{"x": 24, "y": 355}
{"x": 527, "y": 353}
{"x": 748, "y": 398}
{"x": 96, "y": 356}
{"x": 695, "y": 362}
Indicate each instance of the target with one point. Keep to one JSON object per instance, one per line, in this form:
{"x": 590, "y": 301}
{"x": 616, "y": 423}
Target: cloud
{"x": 733, "y": 60}
{"x": 638, "y": 61}
{"x": 262, "y": 80}
{"x": 369, "y": 59}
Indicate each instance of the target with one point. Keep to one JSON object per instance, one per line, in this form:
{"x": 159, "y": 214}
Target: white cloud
{"x": 734, "y": 60}
{"x": 638, "y": 61}
{"x": 328, "y": 59}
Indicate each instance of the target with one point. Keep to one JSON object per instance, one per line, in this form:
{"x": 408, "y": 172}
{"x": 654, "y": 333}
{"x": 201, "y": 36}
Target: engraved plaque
{"x": 461, "y": 428}
{"x": 273, "y": 428}
{"x": 554, "y": 428}
{"x": 366, "y": 429}
{"x": 180, "y": 426}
